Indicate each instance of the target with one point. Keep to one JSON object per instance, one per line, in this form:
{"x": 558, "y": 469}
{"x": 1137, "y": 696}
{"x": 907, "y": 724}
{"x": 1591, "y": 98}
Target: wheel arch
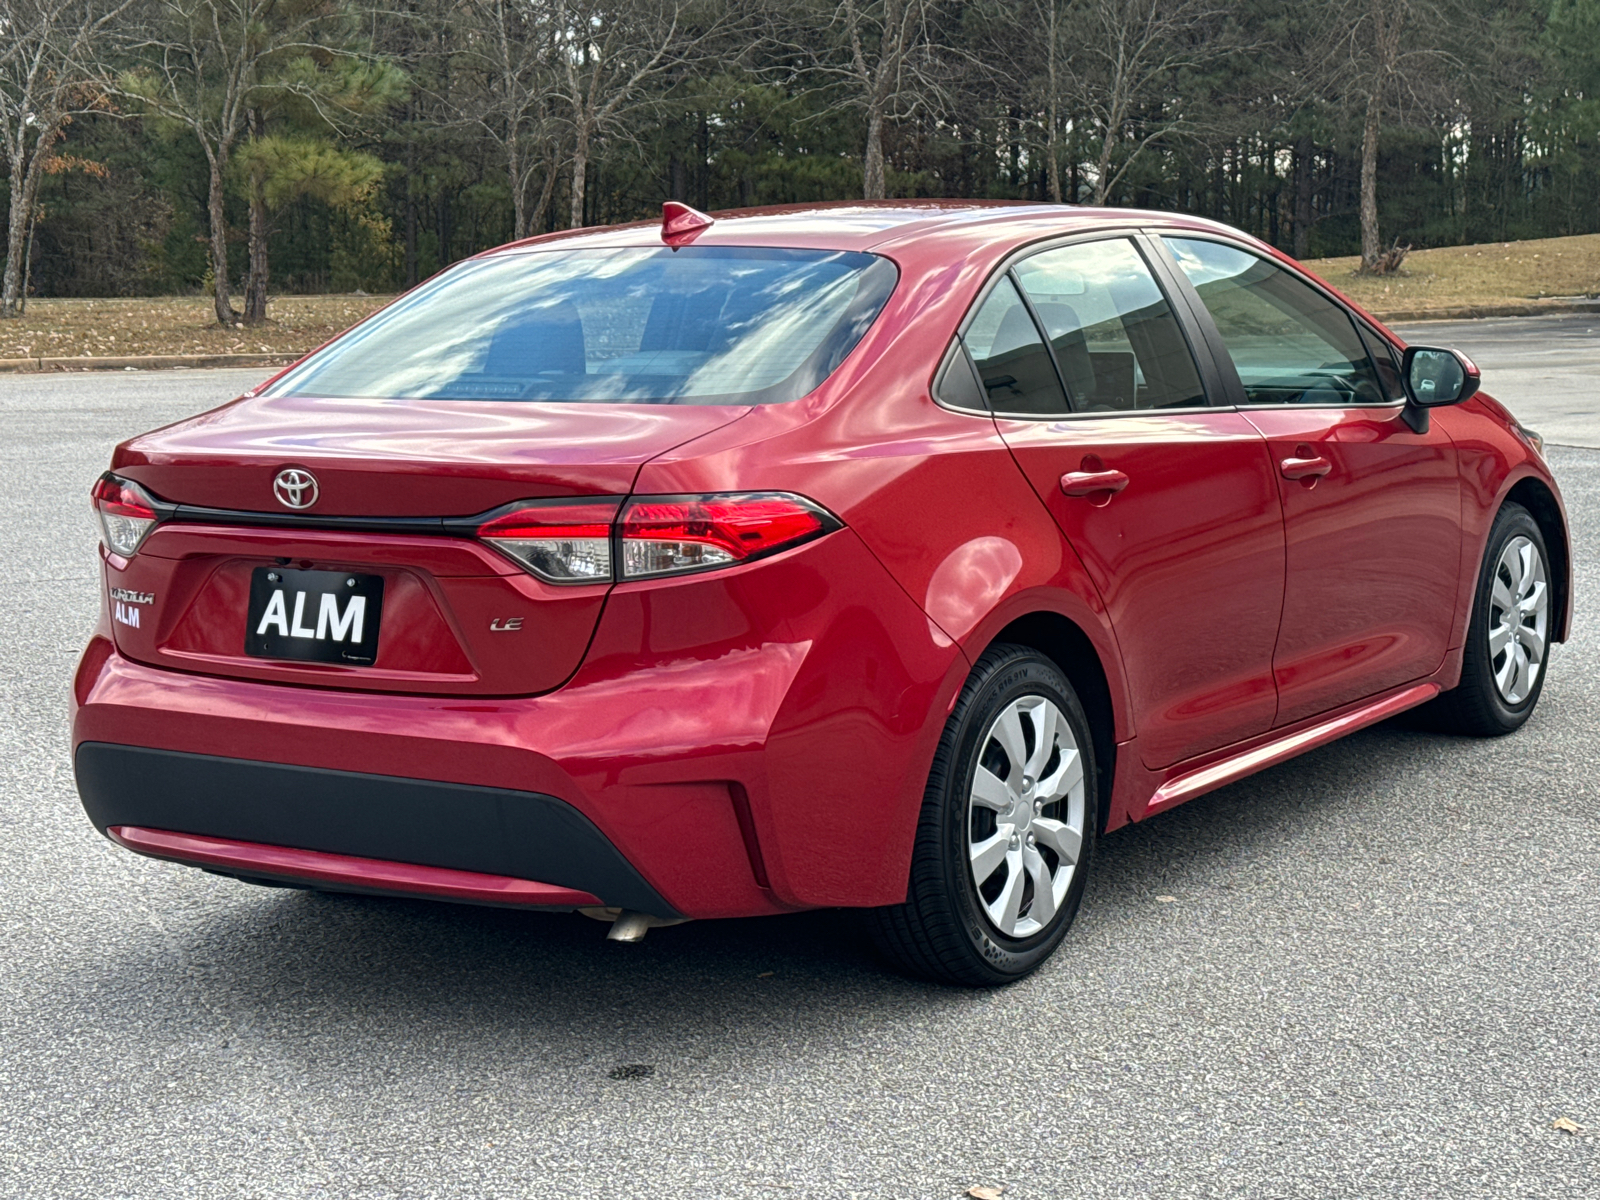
{"x": 1066, "y": 644}
{"x": 1535, "y": 495}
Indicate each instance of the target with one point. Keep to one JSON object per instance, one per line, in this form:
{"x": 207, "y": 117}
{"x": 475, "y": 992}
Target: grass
{"x": 175, "y": 325}
{"x": 1494, "y": 275}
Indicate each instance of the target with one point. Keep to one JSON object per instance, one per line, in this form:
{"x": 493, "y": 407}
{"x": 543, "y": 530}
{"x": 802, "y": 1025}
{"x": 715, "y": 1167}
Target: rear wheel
{"x": 1508, "y": 640}
{"x": 1006, "y": 832}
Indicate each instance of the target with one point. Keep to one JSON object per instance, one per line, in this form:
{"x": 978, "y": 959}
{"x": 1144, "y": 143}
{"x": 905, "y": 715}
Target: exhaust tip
{"x": 630, "y": 927}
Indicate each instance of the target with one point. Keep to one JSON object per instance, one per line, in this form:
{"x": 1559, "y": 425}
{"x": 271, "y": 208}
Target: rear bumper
{"x": 371, "y": 832}
{"x": 748, "y": 742}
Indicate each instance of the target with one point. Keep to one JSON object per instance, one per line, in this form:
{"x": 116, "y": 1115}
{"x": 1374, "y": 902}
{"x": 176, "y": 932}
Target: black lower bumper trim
{"x": 496, "y": 831}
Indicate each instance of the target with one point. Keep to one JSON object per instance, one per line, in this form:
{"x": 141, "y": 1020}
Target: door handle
{"x": 1087, "y": 483}
{"x": 1313, "y": 467}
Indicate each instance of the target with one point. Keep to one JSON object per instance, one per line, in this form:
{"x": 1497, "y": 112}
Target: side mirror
{"x": 1434, "y": 377}
{"x": 1437, "y": 377}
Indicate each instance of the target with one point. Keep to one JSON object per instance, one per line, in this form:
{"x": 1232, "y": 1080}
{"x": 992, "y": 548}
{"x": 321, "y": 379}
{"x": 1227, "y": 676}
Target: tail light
{"x": 126, "y": 512}
{"x": 669, "y": 535}
{"x": 560, "y": 541}
{"x": 584, "y": 541}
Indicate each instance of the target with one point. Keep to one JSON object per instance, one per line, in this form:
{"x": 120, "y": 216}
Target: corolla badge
{"x": 295, "y": 488}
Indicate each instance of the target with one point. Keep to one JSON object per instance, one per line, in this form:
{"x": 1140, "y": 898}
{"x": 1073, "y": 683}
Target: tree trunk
{"x": 541, "y": 210}
{"x": 1304, "y": 165}
{"x": 219, "y": 244}
{"x": 872, "y": 184}
{"x": 25, "y": 176}
{"x": 580, "y": 172}
{"x": 519, "y": 196}
{"x": 255, "y": 287}
{"x": 1371, "y": 244}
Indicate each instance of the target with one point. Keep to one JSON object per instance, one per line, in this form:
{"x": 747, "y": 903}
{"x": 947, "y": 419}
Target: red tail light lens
{"x": 560, "y": 541}
{"x": 126, "y": 513}
{"x": 670, "y": 535}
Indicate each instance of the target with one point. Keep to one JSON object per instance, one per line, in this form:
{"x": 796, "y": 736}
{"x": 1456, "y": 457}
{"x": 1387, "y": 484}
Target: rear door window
{"x": 1115, "y": 337}
{"x": 1012, "y": 359}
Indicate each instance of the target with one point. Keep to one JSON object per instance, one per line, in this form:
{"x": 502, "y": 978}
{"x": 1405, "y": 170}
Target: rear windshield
{"x": 718, "y": 325}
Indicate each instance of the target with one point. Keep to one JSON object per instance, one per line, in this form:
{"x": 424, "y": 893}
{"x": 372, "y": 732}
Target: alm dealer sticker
{"x": 124, "y": 604}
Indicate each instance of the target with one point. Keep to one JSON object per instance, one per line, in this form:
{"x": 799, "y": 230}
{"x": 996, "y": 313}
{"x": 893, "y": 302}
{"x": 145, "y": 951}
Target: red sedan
{"x": 879, "y": 556}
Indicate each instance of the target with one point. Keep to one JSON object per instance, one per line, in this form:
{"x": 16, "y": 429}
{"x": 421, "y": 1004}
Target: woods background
{"x": 243, "y": 148}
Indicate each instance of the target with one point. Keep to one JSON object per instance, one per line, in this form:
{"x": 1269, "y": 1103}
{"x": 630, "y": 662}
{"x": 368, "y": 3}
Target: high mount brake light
{"x": 126, "y": 513}
{"x": 571, "y": 541}
{"x": 560, "y": 541}
{"x": 670, "y": 535}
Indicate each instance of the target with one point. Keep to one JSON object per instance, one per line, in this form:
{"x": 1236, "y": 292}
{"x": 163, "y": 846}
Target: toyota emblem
{"x": 295, "y": 488}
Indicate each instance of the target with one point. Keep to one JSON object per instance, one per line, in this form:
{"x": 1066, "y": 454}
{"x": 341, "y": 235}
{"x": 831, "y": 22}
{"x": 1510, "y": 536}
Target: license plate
{"x": 314, "y": 616}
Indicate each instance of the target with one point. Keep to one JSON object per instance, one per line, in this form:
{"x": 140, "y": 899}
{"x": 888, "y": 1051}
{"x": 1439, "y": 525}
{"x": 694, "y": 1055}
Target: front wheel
{"x": 1508, "y": 640}
{"x": 1007, "y": 829}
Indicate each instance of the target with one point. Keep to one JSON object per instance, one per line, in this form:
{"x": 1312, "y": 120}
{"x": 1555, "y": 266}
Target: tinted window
{"x": 1385, "y": 359}
{"x": 1290, "y": 343}
{"x": 1115, "y": 338}
{"x": 712, "y": 325}
{"x": 1011, "y": 357}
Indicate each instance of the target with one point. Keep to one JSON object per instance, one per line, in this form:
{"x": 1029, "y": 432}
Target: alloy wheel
{"x": 1519, "y": 619}
{"x": 1025, "y": 816}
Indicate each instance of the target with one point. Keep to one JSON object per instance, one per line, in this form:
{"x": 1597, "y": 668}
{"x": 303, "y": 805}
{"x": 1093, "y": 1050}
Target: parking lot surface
{"x": 1373, "y": 971}
{"x": 1546, "y": 370}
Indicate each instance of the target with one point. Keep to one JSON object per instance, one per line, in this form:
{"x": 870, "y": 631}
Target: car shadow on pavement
{"x": 261, "y": 953}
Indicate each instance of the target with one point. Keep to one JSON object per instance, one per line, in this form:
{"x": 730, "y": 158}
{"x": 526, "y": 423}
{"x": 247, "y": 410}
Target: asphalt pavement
{"x": 1546, "y": 370}
{"x": 1371, "y": 972}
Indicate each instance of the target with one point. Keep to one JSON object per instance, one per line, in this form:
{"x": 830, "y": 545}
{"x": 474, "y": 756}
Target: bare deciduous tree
{"x": 47, "y": 52}
{"x": 884, "y": 57}
{"x": 512, "y": 44}
{"x": 610, "y": 54}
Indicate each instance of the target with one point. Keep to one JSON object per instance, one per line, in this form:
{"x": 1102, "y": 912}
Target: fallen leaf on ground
{"x": 984, "y": 1193}
{"x": 1166, "y": 899}
{"x": 1566, "y": 1125}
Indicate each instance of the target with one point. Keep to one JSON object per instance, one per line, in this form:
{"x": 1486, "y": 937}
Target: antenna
{"x": 681, "y": 224}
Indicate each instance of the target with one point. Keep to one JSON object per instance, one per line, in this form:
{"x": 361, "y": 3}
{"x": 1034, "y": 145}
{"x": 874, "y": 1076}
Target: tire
{"x": 1516, "y": 566}
{"x": 1031, "y": 841}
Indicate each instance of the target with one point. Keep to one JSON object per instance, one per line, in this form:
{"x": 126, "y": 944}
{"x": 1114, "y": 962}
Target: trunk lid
{"x": 457, "y": 616}
{"x": 408, "y": 458}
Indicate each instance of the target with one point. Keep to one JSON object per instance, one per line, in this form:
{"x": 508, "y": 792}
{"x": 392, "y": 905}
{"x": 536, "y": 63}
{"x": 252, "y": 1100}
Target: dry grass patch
{"x": 175, "y": 325}
{"x": 1490, "y": 275}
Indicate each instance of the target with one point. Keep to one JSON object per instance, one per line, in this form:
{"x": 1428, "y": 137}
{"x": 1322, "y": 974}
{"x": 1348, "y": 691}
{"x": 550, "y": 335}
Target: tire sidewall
{"x": 1015, "y": 676}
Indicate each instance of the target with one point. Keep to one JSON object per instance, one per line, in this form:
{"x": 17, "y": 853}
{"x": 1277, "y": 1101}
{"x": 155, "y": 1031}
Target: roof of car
{"x": 863, "y": 224}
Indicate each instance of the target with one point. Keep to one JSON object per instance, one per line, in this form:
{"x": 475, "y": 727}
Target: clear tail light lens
{"x": 560, "y": 541}
{"x": 670, "y": 535}
{"x": 125, "y": 511}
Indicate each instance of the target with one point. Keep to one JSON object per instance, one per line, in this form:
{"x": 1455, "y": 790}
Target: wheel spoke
{"x": 1499, "y": 639}
{"x": 1066, "y": 841}
{"x": 1500, "y": 595}
{"x": 1520, "y": 682}
{"x": 1507, "y": 669}
{"x": 1047, "y": 722}
{"x": 989, "y": 790}
{"x": 1008, "y": 732}
{"x": 1044, "y": 892}
{"x": 1535, "y": 600}
{"x": 1068, "y": 775}
{"x": 1008, "y": 903}
{"x": 1531, "y": 641}
{"x": 987, "y": 855}
{"x": 1526, "y": 560}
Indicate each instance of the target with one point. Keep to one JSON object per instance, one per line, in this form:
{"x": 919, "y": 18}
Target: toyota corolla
{"x": 866, "y": 556}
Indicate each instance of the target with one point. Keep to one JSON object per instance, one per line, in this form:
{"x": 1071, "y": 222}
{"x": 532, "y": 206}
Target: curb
{"x": 146, "y": 362}
{"x": 1472, "y": 312}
